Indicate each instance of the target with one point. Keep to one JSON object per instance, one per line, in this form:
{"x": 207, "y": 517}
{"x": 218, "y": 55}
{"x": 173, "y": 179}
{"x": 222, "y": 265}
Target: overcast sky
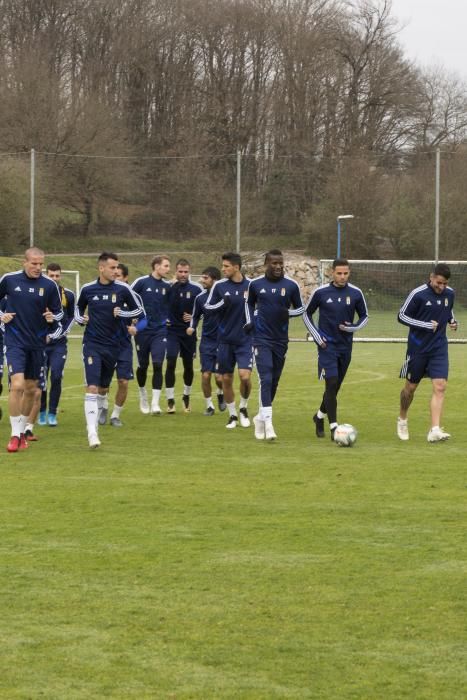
{"x": 434, "y": 32}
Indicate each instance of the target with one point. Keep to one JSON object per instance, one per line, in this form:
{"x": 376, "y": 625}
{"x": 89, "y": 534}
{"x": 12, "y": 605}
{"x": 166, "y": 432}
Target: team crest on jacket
{"x": 446, "y": 301}
{"x": 283, "y": 292}
{"x": 41, "y": 292}
{"x": 188, "y": 295}
{"x": 114, "y": 298}
{"x": 347, "y": 301}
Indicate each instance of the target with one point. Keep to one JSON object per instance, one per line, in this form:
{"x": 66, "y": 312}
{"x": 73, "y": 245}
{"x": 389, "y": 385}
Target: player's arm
{"x": 133, "y": 304}
{"x": 250, "y": 306}
{"x": 215, "y": 299}
{"x": 298, "y": 307}
{"x": 195, "y": 316}
{"x": 80, "y": 309}
{"x": 310, "y": 309}
{"x": 362, "y": 313}
{"x": 408, "y": 314}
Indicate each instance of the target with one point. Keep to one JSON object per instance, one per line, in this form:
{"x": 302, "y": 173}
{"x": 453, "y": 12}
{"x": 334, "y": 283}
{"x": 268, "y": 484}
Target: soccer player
{"x": 33, "y": 313}
{"x": 56, "y": 352}
{"x": 181, "y": 300}
{"x": 101, "y": 306}
{"x": 124, "y": 368}
{"x": 153, "y": 289}
{"x": 208, "y": 344}
{"x": 235, "y": 348}
{"x": 272, "y": 299}
{"x": 337, "y": 302}
{"x": 427, "y": 311}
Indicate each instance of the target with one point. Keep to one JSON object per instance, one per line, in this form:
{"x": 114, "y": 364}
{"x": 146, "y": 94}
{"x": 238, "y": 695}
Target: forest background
{"x": 137, "y": 109}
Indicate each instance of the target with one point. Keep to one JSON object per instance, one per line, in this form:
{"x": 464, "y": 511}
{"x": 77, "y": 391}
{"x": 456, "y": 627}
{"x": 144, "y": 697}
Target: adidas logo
{"x": 17, "y": 289}
{"x": 263, "y": 291}
{"x": 148, "y": 289}
{"x": 329, "y": 301}
{"x": 96, "y": 298}
{"x": 428, "y": 303}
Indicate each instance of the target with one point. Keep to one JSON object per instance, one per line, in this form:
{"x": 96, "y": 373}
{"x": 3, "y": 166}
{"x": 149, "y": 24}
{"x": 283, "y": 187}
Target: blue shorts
{"x": 152, "y": 345}
{"x": 419, "y": 365}
{"x": 99, "y": 363}
{"x": 181, "y": 344}
{"x": 230, "y": 355}
{"x": 124, "y": 368}
{"x": 55, "y": 358}
{"x": 333, "y": 362}
{"x": 208, "y": 355}
{"x": 31, "y": 363}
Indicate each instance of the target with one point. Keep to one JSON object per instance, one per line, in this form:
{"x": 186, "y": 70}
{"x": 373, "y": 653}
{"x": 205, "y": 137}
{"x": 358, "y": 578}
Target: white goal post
{"x": 386, "y": 284}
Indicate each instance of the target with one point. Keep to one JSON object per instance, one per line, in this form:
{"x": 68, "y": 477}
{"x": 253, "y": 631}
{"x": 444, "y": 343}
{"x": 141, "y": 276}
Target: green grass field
{"x": 182, "y": 560}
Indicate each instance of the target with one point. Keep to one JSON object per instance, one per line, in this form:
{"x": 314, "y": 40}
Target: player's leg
{"x": 173, "y": 350}
{"x": 220, "y": 392}
{"x": 328, "y": 372}
{"x": 120, "y": 398}
{"x": 142, "y": 354}
{"x": 124, "y": 373}
{"x": 33, "y": 413}
{"x": 92, "y": 370}
{"x": 57, "y": 361}
{"x": 437, "y": 433}
{"x": 413, "y": 370}
{"x": 264, "y": 367}
{"x": 102, "y": 405}
{"x": 158, "y": 348}
{"x": 207, "y": 354}
{"x": 42, "y": 420}
{"x": 244, "y": 360}
{"x": 225, "y": 367}
{"x": 20, "y": 364}
{"x": 188, "y": 354}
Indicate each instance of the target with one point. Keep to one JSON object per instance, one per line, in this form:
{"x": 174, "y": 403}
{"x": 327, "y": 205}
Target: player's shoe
{"x": 437, "y": 435}
{"x": 233, "y": 422}
{"x": 269, "y": 431}
{"x": 30, "y": 437}
{"x": 42, "y": 418}
{"x": 333, "y": 430}
{"x": 221, "y": 402}
{"x": 186, "y": 403}
{"x": 156, "y": 410}
{"x": 103, "y": 413}
{"x": 402, "y": 429}
{"x": 52, "y": 420}
{"x": 244, "y": 420}
{"x": 259, "y": 428}
{"x": 13, "y": 444}
{"x": 171, "y": 406}
{"x": 143, "y": 405}
{"x": 23, "y": 443}
{"x": 209, "y": 411}
{"x": 116, "y": 422}
{"x": 319, "y": 426}
{"x": 93, "y": 440}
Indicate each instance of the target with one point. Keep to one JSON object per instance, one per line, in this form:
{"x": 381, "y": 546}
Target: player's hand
{"x": 132, "y": 330}
{"x": 47, "y": 339}
{"x": 190, "y": 331}
{"x": 85, "y": 319}
{"x": 453, "y": 324}
{"x": 434, "y": 325}
{"x": 248, "y": 327}
{"x": 8, "y": 316}
{"x": 48, "y": 315}
{"x": 323, "y": 344}
{"x": 116, "y": 311}
{"x": 186, "y": 317}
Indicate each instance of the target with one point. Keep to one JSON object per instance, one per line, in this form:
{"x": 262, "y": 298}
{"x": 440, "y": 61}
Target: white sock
{"x": 333, "y": 425}
{"x": 320, "y": 414}
{"x": 156, "y": 395}
{"x": 102, "y": 401}
{"x": 116, "y": 412}
{"x": 29, "y": 426}
{"x": 209, "y": 403}
{"x": 243, "y": 403}
{"x": 231, "y": 408}
{"x": 15, "y": 422}
{"x": 170, "y": 393}
{"x": 90, "y": 412}
{"x": 24, "y": 422}
{"x": 402, "y": 420}
{"x": 186, "y": 390}
{"x": 219, "y": 392}
{"x": 142, "y": 392}
{"x": 266, "y": 412}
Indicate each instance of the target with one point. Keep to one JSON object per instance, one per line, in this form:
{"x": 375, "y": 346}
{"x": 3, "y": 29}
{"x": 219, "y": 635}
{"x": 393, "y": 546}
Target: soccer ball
{"x": 345, "y": 435}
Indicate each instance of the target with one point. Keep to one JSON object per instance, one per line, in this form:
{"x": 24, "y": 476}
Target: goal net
{"x": 386, "y": 284}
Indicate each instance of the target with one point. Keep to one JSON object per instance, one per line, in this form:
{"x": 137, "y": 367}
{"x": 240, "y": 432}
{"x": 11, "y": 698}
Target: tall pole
{"x": 32, "y": 197}
{"x": 338, "y": 238}
{"x": 239, "y": 184}
{"x": 437, "y": 189}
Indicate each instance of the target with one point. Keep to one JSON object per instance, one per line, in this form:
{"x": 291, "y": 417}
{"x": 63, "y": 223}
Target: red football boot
{"x": 13, "y": 445}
